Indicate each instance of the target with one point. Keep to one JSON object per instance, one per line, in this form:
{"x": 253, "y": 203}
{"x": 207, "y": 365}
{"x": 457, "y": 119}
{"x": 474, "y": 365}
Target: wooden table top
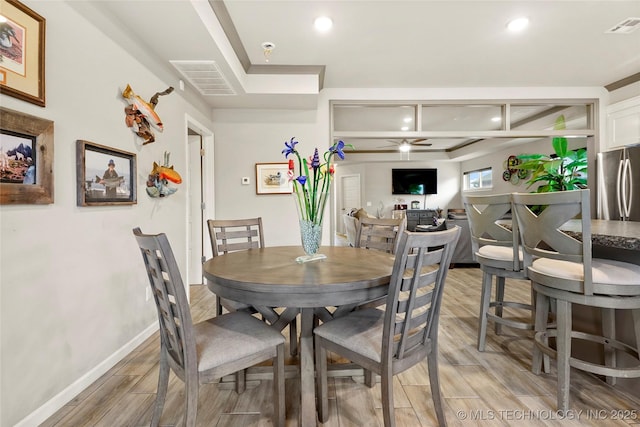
{"x": 271, "y": 276}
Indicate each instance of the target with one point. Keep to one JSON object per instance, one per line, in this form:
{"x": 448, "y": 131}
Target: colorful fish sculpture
{"x": 159, "y": 178}
{"x": 167, "y": 173}
{"x": 141, "y": 115}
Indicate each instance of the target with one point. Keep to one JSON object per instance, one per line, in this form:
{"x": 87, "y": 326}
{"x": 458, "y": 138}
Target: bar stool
{"x": 561, "y": 268}
{"x": 496, "y": 248}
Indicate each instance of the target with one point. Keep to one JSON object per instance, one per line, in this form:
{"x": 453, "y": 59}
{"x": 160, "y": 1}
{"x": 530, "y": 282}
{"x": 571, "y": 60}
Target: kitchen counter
{"x": 606, "y": 234}
{"x": 611, "y": 234}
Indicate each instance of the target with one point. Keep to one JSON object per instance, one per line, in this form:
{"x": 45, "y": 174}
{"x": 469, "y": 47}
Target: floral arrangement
{"x": 312, "y": 181}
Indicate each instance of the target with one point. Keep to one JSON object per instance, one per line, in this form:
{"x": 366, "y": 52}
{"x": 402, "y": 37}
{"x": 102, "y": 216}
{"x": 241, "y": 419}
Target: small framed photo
{"x": 26, "y": 159}
{"x": 22, "y": 51}
{"x": 106, "y": 176}
{"x": 271, "y": 178}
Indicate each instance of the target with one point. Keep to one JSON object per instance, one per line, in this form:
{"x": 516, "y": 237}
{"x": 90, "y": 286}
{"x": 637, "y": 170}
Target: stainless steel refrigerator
{"x": 619, "y": 184}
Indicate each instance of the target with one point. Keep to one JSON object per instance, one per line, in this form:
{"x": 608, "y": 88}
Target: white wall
{"x": 375, "y": 178}
{"x": 244, "y": 138}
{"x": 72, "y": 281}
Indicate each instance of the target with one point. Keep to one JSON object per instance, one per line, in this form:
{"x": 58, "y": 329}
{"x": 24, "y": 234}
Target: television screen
{"x": 414, "y": 181}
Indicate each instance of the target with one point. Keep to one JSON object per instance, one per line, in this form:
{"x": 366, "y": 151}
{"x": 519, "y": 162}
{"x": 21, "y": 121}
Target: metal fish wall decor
{"x": 141, "y": 115}
{"x": 160, "y": 177}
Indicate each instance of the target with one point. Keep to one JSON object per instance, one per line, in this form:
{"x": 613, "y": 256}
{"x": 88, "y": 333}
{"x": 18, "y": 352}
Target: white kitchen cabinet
{"x": 623, "y": 124}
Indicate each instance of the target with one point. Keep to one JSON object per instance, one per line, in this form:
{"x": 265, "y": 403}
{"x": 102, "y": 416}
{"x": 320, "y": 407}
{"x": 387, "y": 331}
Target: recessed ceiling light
{"x": 407, "y": 119}
{"x": 323, "y": 23}
{"x": 404, "y": 128}
{"x": 496, "y": 119}
{"x": 518, "y": 24}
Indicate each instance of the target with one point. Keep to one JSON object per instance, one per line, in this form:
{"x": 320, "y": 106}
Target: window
{"x": 478, "y": 179}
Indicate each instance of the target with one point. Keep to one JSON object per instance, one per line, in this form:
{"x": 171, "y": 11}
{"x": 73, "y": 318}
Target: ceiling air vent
{"x": 627, "y": 26}
{"x": 205, "y": 76}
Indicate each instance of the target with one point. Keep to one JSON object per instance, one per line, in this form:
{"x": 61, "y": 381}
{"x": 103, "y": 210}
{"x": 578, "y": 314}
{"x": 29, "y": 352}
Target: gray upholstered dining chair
{"x": 393, "y": 340}
{"x": 231, "y": 235}
{"x": 496, "y": 248}
{"x": 561, "y": 268}
{"x": 202, "y": 352}
{"x": 381, "y": 234}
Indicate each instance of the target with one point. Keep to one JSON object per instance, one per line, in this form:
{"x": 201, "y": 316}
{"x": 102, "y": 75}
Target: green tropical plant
{"x": 566, "y": 170}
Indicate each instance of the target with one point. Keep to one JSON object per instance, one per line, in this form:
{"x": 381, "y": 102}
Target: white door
{"x": 349, "y": 197}
{"x": 195, "y": 216}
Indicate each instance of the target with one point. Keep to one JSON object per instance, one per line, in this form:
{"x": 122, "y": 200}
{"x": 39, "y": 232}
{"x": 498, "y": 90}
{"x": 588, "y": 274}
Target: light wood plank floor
{"x": 494, "y": 388}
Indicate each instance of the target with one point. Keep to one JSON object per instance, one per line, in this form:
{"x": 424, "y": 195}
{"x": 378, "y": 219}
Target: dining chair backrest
{"x": 176, "y": 325}
{"x": 235, "y": 235}
{"x": 380, "y": 233}
{"x": 415, "y": 295}
{"x": 488, "y": 227}
{"x": 541, "y": 234}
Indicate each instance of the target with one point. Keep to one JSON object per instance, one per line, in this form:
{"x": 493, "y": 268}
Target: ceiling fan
{"x": 406, "y": 144}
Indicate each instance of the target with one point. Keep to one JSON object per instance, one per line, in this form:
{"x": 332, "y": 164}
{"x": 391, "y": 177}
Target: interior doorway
{"x": 200, "y": 202}
{"x": 350, "y": 198}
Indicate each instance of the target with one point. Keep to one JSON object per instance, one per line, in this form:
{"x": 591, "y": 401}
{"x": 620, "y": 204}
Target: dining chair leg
{"x": 321, "y": 381}
{"x": 635, "y": 315}
{"x": 386, "y": 388}
{"x": 542, "y": 308}
{"x": 485, "y": 299}
{"x": 241, "y": 381}
{"x": 609, "y": 331}
{"x": 161, "y": 394}
{"x": 279, "y": 408}
{"x": 369, "y": 378}
{"x": 434, "y": 381}
{"x": 191, "y": 400}
{"x": 499, "y": 302}
{"x": 563, "y": 343}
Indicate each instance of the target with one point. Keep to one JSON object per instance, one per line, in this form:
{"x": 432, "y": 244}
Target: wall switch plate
{"x": 245, "y": 180}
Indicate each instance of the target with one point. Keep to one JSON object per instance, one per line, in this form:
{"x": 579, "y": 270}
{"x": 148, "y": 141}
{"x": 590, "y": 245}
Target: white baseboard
{"x": 38, "y": 416}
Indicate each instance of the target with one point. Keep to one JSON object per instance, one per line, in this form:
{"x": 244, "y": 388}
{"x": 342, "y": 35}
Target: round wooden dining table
{"x": 270, "y": 277}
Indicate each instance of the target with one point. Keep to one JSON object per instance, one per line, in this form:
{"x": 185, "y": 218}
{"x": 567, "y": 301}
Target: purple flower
{"x": 337, "y": 149}
{"x": 291, "y": 147}
{"x": 315, "y": 162}
{"x": 301, "y": 179}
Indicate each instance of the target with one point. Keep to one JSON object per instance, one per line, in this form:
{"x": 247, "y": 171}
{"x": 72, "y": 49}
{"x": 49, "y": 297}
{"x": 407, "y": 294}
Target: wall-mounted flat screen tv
{"x": 414, "y": 181}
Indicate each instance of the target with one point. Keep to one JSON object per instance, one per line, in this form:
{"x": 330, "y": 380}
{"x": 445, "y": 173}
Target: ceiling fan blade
{"x": 428, "y": 144}
{"x": 418, "y": 140}
{"x": 396, "y": 142}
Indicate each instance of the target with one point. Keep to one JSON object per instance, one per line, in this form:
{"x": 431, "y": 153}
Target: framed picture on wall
{"x": 22, "y": 51}
{"x": 271, "y": 178}
{"x": 26, "y": 158}
{"x": 105, "y": 176}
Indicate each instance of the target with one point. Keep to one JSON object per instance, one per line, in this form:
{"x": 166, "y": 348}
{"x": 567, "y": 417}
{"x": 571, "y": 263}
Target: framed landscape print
{"x": 106, "y": 176}
{"x": 26, "y": 158}
{"x": 271, "y": 178}
{"x": 22, "y": 50}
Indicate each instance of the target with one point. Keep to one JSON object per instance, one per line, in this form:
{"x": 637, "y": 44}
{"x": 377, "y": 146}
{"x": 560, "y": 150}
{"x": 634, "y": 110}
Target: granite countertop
{"x": 616, "y": 234}
{"x": 611, "y": 234}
